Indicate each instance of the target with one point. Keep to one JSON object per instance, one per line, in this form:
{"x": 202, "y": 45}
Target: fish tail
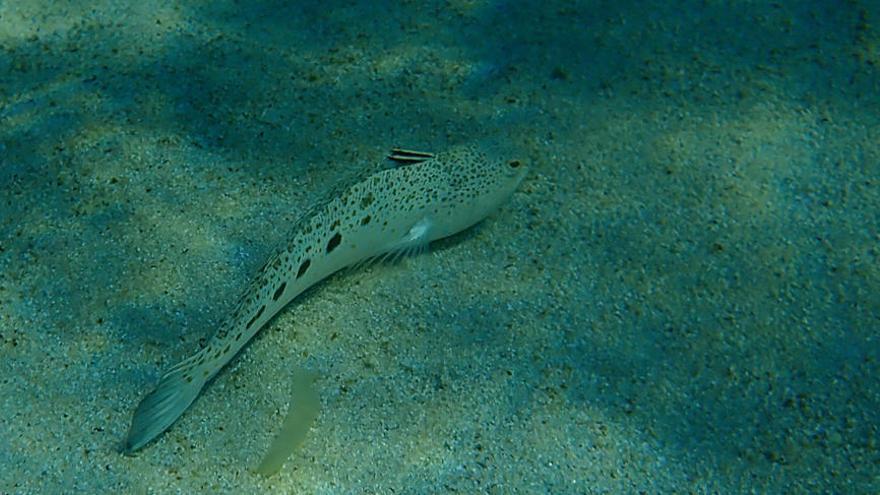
{"x": 176, "y": 391}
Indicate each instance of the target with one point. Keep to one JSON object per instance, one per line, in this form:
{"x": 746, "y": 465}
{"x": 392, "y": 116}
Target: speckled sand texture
{"x": 682, "y": 297}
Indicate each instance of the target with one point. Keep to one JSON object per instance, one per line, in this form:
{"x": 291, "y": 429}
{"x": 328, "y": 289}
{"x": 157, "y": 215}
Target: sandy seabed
{"x": 682, "y": 297}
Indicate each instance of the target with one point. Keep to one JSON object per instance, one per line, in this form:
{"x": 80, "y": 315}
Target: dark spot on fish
{"x": 279, "y": 291}
{"x": 188, "y": 378}
{"x": 260, "y": 312}
{"x": 303, "y": 267}
{"x": 226, "y": 349}
{"x": 367, "y": 200}
{"x": 366, "y": 220}
{"x": 238, "y": 336}
{"x": 334, "y": 242}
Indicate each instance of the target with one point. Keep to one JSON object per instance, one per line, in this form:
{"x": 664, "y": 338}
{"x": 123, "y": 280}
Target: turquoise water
{"x": 681, "y": 297}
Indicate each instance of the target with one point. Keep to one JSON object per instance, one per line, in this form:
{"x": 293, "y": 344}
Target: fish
{"x": 394, "y": 212}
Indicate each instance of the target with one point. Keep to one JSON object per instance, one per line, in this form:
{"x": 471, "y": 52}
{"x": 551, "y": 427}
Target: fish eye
{"x": 514, "y": 163}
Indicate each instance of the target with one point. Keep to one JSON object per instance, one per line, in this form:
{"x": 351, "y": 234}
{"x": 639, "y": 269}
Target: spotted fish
{"x": 392, "y": 212}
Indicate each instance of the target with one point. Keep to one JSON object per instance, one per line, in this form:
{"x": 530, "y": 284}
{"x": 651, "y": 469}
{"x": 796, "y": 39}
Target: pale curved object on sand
{"x": 301, "y": 415}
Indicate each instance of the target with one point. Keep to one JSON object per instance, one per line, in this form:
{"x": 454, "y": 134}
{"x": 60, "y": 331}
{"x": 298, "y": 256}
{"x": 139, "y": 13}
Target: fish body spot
{"x": 334, "y": 241}
{"x": 303, "y": 267}
{"x": 256, "y": 316}
{"x": 279, "y": 291}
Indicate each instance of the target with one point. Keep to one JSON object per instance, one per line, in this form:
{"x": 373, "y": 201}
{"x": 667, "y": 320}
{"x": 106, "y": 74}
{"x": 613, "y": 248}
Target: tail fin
{"x": 160, "y": 408}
